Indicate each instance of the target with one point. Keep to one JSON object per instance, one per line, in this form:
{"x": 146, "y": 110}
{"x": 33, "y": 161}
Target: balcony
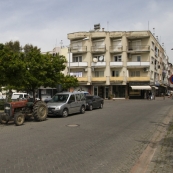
{"x": 98, "y": 64}
{"x": 138, "y": 49}
{"x": 116, "y": 49}
{"x": 77, "y": 64}
{"x": 116, "y": 64}
{"x": 98, "y": 49}
{"x": 82, "y": 79}
{"x": 140, "y": 79}
{"x": 78, "y": 49}
{"x": 116, "y": 79}
{"x": 98, "y": 79}
{"x": 138, "y": 64}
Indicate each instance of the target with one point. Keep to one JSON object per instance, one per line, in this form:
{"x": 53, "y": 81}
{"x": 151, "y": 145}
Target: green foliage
{"x": 28, "y": 69}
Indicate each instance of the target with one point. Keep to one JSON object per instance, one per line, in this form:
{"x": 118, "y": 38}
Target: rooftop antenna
{"x": 61, "y": 43}
{"x": 148, "y": 25}
{"x": 153, "y": 31}
{"x": 108, "y": 25}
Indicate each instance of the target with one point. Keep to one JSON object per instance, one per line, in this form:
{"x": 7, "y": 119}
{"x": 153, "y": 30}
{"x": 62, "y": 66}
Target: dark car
{"x": 93, "y": 102}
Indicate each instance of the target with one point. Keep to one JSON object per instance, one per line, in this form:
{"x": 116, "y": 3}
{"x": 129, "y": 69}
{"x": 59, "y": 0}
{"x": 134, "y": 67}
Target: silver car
{"x": 66, "y": 103}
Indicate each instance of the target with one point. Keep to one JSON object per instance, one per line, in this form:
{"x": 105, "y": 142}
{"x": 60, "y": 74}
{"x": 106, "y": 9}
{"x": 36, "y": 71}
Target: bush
{"x": 2, "y": 101}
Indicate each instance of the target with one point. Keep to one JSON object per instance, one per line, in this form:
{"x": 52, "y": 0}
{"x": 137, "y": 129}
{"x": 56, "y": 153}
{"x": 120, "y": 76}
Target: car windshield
{"x": 60, "y": 98}
{"x": 89, "y": 97}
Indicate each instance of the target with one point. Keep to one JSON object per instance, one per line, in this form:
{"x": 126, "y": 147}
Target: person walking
{"x": 149, "y": 95}
{"x": 163, "y": 95}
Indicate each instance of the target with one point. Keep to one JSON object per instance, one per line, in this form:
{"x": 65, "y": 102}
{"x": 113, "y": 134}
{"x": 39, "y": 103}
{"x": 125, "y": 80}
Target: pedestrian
{"x": 163, "y": 95}
{"x": 149, "y": 95}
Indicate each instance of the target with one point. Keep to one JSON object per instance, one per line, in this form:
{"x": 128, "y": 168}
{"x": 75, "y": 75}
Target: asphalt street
{"x": 108, "y": 140}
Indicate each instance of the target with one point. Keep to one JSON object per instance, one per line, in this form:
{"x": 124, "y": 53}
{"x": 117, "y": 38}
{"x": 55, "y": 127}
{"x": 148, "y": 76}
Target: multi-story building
{"x": 121, "y": 64}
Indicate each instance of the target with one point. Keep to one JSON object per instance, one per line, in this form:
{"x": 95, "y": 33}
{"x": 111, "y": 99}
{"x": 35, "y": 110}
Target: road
{"x": 108, "y": 140}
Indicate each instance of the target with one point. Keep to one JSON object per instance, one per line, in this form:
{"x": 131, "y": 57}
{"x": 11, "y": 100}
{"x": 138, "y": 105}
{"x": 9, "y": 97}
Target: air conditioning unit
{"x": 86, "y": 69}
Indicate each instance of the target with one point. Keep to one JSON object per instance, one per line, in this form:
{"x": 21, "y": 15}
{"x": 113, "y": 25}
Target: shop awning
{"x": 155, "y": 87}
{"x": 141, "y": 87}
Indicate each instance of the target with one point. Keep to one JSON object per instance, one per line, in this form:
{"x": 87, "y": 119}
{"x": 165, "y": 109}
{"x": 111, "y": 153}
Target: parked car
{"x": 66, "y": 103}
{"x": 93, "y": 102}
{"x": 45, "y": 97}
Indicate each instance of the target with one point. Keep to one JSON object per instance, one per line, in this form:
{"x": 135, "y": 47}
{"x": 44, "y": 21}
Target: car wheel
{"x": 101, "y": 105}
{"x": 82, "y": 110}
{"x": 64, "y": 113}
{"x": 90, "y": 107}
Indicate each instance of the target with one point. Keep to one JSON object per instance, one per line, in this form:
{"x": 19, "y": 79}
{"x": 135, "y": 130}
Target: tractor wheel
{"x": 2, "y": 120}
{"x": 19, "y": 118}
{"x": 40, "y": 111}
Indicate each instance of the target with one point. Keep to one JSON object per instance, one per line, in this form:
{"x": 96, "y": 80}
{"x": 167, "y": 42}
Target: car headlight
{"x": 7, "y": 108}
{"x": 57, "y": 108}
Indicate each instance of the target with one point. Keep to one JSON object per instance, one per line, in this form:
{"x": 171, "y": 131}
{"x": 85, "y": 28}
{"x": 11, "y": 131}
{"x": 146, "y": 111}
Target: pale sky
{"x": 44, "y": 23}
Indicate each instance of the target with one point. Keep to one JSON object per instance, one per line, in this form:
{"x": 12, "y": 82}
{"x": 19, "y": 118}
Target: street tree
{"x": 26, "y": 68}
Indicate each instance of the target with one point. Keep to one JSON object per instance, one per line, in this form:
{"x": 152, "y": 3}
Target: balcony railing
{"x": 138, "y": 79}
{"x": 82, "y": 79}
{"x": 138, "y": 48}
{"x": 138, "y": 64}
{"x": 77, "y": 64}
{"x": 97, "y": 49}
{"x": 78, "y": 49}
{"x": 98, "y": 79}
{"x": 114, "y": 49}
{"x": 116, "y": 64}
{"x": 116, "y": 79}
{"x": 98, "y": 64}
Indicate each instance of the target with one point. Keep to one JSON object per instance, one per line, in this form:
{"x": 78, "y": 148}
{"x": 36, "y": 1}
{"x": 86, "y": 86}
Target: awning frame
{"x": 145, "y": 87}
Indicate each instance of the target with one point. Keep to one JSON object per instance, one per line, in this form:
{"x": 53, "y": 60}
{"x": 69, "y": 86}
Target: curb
{"x": 142, "y": 164}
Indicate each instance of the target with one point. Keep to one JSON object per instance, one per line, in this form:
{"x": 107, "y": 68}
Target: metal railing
{"x": 138, "y": 48}
{"x": 98, "y": 48}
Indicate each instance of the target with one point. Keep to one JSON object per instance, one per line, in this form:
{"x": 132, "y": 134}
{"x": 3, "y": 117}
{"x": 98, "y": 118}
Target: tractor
{"x": 22, "y": 110}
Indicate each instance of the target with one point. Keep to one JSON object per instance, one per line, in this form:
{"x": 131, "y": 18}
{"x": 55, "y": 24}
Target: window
{"x": 115, "y": 73}
{"x": 135, "y": 74}
{"x": 99, "y": 58}
{"x": 139, "y": 58}
{"x": 76, "y": 74}
{"x": 117, "y": 58}
{"x": 77, "y": 58}
{"x": 78, "y": 97}
{"x": 99, "y": 73}
{"x": 72, "y": 98}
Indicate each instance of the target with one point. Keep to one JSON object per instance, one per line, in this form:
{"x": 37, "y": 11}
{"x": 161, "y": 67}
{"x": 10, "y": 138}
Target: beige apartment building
{"x": 118, "y": 64}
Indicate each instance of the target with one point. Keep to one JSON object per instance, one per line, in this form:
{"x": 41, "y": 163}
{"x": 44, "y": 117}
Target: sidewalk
{"x": 162, "y": 161}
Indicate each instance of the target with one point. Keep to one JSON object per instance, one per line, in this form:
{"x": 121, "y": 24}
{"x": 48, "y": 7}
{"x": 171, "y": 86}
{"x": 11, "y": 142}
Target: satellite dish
{"x": 101, "y": 58}
{"x": 95, "y": 60}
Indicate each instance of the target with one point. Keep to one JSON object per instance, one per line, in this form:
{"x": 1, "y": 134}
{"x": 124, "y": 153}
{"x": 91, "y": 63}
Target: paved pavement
{"x": 161, "y": 158}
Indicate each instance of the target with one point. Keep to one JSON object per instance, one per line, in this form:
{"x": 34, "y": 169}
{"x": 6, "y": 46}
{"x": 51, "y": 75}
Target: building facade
{"x": 118, "y": 64}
